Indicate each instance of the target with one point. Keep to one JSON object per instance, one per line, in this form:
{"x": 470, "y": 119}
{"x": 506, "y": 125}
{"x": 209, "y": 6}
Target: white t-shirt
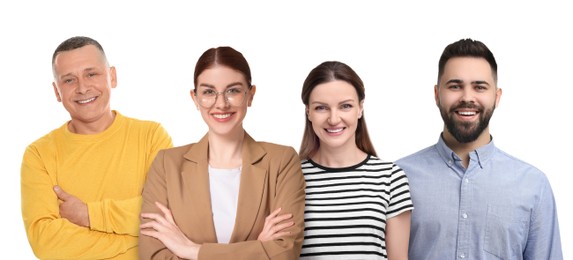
{"x": 224, "y": 187}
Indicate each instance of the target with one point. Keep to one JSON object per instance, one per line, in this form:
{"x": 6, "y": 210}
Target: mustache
{"x": 468, "y": 105}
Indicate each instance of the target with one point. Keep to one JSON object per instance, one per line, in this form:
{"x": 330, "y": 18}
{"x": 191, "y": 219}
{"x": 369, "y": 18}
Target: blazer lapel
{"x": 196, "y": 184}
{"x": 251, "y": 189}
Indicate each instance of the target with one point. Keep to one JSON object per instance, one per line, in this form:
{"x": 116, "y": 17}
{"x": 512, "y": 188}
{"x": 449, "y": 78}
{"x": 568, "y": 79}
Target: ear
{"x": 194, "y": 97}
{"x": 113, "y": 77}
{"x": 437, "y": 95}
{"x": 307, "y": 113}
{"x": 498, "y": 93}
{"x": 58, "y": 97}
{"x": 253, "y": 90}
{"x": 361, "y": 109}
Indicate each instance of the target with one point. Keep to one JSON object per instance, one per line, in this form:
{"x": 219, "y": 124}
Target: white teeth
{"x": 334, "y": 130}
{"x": 221, "y": 116}
{"x": 466, "y": 113}
{"x": 86, "y": 101}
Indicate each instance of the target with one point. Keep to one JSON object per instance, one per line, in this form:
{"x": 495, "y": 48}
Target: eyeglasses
{"x": 234, "y": 96}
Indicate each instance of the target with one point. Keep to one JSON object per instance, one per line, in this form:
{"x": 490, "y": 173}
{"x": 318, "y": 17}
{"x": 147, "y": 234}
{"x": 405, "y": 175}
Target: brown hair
{"x": 467, "y": 48}
{"x": 225, "y": 56}
{"x": 326, "y": 72}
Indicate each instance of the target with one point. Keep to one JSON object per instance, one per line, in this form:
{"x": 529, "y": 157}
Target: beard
{"x": 466, "y": 132}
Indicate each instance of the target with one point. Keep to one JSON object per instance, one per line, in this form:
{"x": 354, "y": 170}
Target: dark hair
{"x": 467, "y": 48}
{"x": 225, "y": 56}
{"x": 326, "y": 72}
{"x": 76, "y": 43}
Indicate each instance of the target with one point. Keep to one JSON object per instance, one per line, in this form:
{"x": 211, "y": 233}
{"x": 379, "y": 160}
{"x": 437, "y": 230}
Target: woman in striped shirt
{"x": 357, "y": 205}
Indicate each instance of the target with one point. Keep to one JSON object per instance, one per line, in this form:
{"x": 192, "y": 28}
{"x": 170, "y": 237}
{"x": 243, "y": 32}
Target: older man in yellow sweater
{"x": 82, "y": 182}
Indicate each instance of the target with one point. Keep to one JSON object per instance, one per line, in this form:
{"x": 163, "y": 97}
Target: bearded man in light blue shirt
{"x": 474, "y": 201}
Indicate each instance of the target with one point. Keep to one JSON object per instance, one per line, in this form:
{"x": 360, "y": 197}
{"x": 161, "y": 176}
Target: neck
{"x": 338, "y": 157}
{"x": 226, "y": 151}
{"x": 97, "y": 126}
{"x": 463, "y": 150}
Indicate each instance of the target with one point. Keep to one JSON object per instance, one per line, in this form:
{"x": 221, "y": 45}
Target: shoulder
{"x": 48, "y": 140}
{"x": 518, "y": 166}
{"x": 176, "y": 152}
{"x": 376, "y": 164}
{"x": 373, "y": 161}
{"x": 273, "y": 148}
{"x": 139, "y": 122}
{"x": 273, "y": 156}
{"x": 414, "y": 158}
{"x": 149, "y": 130}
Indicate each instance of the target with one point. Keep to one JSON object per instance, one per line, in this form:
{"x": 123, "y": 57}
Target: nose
{"x": 333, "y": 118}
{"x": 468, "y": 95}
{"x": 83, "y": 87}
{"x": 221, "y": 100}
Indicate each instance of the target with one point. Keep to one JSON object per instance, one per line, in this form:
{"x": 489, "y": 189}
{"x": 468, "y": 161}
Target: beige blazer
{"x": 271, "y": 177}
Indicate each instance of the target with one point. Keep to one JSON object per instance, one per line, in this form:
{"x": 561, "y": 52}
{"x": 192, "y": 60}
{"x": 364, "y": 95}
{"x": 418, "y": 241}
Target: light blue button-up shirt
{"x": 498, "y": 208}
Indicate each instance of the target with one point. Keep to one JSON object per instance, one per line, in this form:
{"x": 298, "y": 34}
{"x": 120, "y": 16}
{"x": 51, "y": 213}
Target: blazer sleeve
{"x": 289, "y": 195}
{"x": 154, "y": 190}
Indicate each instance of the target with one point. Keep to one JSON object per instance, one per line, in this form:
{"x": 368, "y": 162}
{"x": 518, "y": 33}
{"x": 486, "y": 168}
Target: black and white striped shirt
{"x": 347, "y": 208}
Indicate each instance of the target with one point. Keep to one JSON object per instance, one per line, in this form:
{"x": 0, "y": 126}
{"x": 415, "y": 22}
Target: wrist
{"x": 192, "y": 252}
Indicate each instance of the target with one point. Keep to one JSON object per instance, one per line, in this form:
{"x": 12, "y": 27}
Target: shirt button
{"x": 462, "y": 256}
{"x": 449, "y": 161}
{"x": 464, "y": 216}
{"x": 467, "y": 180}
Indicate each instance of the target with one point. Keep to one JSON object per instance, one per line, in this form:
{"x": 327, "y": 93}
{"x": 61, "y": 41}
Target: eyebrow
{"x": 475, "y": 82}
{"x": 350, "y": 100}
{"x": 228, "y": 85}
{"x": 72, "y": 74}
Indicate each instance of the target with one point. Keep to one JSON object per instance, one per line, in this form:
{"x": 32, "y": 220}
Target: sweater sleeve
{"x": 53, "y": 237}
{"x": 115, "y": 216}
{"x": 122, "y": 216}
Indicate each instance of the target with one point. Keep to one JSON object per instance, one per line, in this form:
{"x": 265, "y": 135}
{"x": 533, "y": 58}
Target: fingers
{"x": 152, "y": 216}
{"x": 274, "y": 213}
{"x": 273, "y": 218}
{"x": 280, "y": 227}
{"x": 150, "y": 224}
{"x": 166, "y": 212}
{"x": 281, "y": 218}
{"x": 275, "y": 226}
{"x": 279, "y": 235}
{"x": 158, "y": 220}
{"x": 157, "y": 223}
{"x": 62, "y": 195}
{"x": 149, "y": 230}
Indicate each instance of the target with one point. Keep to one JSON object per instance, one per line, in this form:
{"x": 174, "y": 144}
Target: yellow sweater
{"x": 105, "y": 170}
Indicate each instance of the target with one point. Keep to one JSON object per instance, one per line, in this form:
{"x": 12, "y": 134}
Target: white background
{"x": 393, "y": 46}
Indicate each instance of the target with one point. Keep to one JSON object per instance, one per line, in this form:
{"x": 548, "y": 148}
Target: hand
{"x": 163, "y": 227}
{"x": 72, "y": 208}
{"x": 274, "y": 226}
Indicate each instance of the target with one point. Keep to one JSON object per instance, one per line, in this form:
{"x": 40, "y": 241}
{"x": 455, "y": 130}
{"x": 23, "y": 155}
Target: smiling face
{"x": 224, "y": 117}
{"x": 83, "y": 83}
{"x": 334, "y": 111}
{"x": 467, "y": 96}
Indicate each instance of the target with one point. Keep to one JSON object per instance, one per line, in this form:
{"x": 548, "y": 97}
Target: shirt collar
{"x": 480, "y": 155}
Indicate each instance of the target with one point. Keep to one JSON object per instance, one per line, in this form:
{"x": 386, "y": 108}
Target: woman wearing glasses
{"x": 357, "y": 205}
{"x": 226, "y": 196}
